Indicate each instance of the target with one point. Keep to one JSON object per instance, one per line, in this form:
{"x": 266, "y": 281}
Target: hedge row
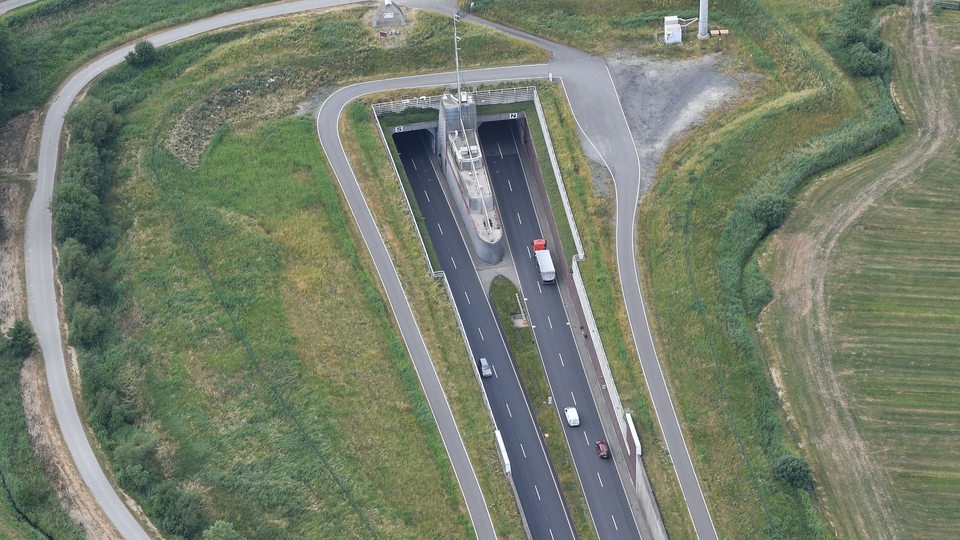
{"x": 88, "y": 271}
{"x": 759, "y": 211}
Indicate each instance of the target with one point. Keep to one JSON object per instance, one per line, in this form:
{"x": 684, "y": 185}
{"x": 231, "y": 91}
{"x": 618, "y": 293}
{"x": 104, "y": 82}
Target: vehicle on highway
{"x": 573, "y": 418}
{"x": 603, "y": 450}
{"x": 484, "y": 366}
{"x": 548, "y": 274}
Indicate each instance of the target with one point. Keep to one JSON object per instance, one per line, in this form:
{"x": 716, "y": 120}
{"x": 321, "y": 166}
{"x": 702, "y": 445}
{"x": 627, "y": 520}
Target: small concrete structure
{"x": 672, "y": 31}
{"x": 389, "y": 14}
{"x": 466, "y": 175}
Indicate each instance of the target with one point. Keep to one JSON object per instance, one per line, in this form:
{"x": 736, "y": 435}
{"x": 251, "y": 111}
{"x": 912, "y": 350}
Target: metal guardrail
{"x": 480, "y": 97}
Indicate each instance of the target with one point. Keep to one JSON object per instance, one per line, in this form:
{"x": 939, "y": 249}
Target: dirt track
{"x": 799, "y": 259}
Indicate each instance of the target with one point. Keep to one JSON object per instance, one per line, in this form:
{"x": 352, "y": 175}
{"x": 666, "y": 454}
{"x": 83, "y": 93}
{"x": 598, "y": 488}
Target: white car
{"x": 572, "y": 417}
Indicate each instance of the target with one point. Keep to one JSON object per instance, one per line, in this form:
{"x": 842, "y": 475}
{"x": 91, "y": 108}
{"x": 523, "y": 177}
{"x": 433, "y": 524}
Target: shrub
{"x": 93, "y": 121}
{"x": 86, "y": 324}
{"x": 222, "y": 530}
{"x": 770, "y": 210}
{"x": 20, "y": 339}
{"x": 793, "y": 471}
{"x": 84, "y": 276}
{"x": 854, "y": 41}
{"x": 142, "y": 55}
{"x": 78, "y": 214}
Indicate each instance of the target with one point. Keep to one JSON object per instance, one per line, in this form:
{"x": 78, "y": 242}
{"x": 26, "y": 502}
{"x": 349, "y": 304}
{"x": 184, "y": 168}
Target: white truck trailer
{"x": 548, "y": 274}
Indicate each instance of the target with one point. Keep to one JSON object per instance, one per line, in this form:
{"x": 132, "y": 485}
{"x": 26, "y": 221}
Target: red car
{"x": 603, "y": 450}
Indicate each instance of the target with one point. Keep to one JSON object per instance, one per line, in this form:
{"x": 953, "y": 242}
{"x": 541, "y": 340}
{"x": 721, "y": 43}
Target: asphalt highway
{"x": 539, "y": 496}
{"x": 602, "y": 486}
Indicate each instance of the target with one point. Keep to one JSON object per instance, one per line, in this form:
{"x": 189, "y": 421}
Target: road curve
{"x": 328, "y": 120}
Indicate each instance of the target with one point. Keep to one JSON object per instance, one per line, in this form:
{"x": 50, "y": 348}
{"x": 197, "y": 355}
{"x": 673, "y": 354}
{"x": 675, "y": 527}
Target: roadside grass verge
{"x": 29, "y": 507}
{"x": 254, "y": 374}
{"x": 527, "y": 359}
{"x": 892, "y": 308}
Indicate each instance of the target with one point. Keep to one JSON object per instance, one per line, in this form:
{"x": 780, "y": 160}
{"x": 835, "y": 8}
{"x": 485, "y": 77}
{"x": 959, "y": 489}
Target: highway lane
{"x": 602, "y": 486}
{"x": 539, "y": 496}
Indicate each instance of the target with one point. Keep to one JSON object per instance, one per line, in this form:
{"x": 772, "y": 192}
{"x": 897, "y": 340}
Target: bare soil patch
{"x": 662, "y": 98}
{"x": 54, "y": 456}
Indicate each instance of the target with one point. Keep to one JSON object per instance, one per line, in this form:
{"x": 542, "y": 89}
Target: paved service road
{"x": 328, "y": 130}
{"x": 539, "y": 496}
{"x": 8, "y": 5}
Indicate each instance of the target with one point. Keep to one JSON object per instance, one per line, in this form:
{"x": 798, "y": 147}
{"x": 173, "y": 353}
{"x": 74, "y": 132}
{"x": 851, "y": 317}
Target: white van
{"x": 572, "y": 417}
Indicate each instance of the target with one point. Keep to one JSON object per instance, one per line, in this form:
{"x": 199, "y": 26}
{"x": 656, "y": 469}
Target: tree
{"x": 222, "y": 530}
{"x": 142, "y": 55}
{"x": 78, "y": 214}
{"x": 20, "y": 339}
{"x": 93, "y": 121}
{"x": 793, "y": 471}
{"x": 8, "y": 70}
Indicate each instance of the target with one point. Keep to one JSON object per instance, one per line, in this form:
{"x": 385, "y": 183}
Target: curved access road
{"x": 42, "y": 304}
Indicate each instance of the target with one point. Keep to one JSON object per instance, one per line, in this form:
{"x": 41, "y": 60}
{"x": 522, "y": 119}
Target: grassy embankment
{"x": 598, "y": 26}
{"x": 257, "y": 375}
{"x": 893, "y": 312}
{"x": 54, "y": 37}
{"x": 699, "y": 226}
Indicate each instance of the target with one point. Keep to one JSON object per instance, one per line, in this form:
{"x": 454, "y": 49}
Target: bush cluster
{"x": 87, "y": 270}
{"x": 853, "y": 39}
{"x": 142, "y": 55}
{"x": 81, "y": 221}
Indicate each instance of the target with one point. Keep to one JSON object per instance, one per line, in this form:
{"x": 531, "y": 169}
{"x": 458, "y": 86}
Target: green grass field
{"x": 893, "y": 310}
{"x": 270, "y": 385}
{"x": 28, "y": 505}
